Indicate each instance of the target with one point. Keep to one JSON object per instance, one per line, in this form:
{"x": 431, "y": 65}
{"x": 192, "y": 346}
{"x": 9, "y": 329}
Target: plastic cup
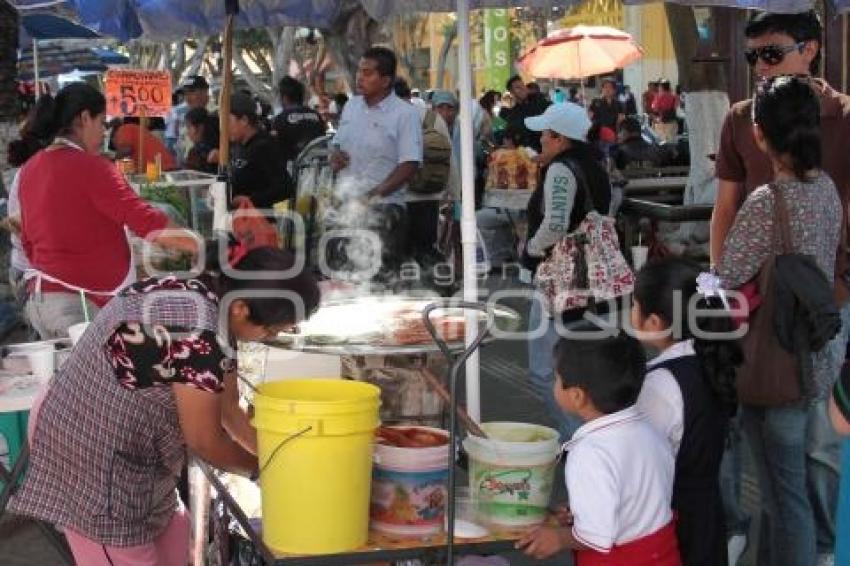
{"x": 639, "y": 256}
{"x": 42, "y": 361}
{"x": 76, "y": 331}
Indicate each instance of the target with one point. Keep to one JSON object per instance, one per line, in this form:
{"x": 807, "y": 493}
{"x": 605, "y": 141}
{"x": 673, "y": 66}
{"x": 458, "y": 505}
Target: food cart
{"x": 395, "y": 328}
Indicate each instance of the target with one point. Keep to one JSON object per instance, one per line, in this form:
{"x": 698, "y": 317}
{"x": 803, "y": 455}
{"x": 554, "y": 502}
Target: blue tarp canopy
{"x": 786, "y": 6}
{"x": 56, "y": 60}
{"x": 167, "y": 20}
{"x": 175, "y": 19}
{"x": 50, "y": 26}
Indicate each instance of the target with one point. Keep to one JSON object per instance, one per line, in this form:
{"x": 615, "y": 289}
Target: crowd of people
{"x": 653, "y": 445}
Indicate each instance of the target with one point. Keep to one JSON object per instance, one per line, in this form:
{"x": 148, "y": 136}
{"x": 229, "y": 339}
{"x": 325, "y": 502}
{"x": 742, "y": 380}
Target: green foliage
{"x": 167, "y": 194}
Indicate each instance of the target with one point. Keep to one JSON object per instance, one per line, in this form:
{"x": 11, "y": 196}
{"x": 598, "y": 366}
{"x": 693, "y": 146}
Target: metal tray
{"x": 356, "y": 327}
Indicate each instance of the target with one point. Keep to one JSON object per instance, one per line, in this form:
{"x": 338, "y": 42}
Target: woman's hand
{"x": 200, "y": 414}
{"x": 235, "y": 420}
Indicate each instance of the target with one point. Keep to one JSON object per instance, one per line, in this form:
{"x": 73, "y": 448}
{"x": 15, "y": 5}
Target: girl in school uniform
{"x": 689, "y": 393}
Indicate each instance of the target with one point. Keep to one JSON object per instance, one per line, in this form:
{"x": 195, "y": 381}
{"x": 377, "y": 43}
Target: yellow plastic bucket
{"x": 315, "y": 439}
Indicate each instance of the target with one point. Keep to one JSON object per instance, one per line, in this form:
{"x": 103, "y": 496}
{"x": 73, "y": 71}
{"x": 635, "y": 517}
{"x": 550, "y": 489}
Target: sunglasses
{"x": 771, "y": 54}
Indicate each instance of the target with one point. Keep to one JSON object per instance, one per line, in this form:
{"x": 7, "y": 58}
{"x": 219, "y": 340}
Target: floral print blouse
{"x": 149, "y": 356}
{"x": 814, "y": 214}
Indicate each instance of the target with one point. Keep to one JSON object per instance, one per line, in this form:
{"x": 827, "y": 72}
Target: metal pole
{"x": 224, "y": 98}
{"x": 35, "y": 69}
{"x": 468, "y": 226}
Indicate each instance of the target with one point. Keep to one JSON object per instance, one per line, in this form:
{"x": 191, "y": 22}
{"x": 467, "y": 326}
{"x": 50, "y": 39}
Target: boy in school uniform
{"x": 619, "y": 470}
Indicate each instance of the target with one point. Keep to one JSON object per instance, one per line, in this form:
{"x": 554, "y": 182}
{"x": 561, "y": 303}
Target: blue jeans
{"x": 777, "y": 437}
{"x": 737, "y": 520}
{"x": 842, "y": 542}
{"x": 541, "y": 368}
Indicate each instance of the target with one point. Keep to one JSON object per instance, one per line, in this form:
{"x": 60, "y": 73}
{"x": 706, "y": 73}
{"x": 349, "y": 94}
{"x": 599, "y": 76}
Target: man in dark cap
{"x": 256, "y": 169}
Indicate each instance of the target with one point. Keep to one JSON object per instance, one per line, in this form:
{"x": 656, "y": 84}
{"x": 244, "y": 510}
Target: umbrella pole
{"x": 468, "y": 223}
{"x": 224, "y": 98}
{"x": 35, "y": 69}
{"x": 468, "y": 239}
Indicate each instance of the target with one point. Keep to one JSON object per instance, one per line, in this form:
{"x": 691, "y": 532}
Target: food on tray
{"x": 326, "y": 339}
{"x": 409, "y": 328}
{"x": 412, "y": 437}
{"x": 385, "y": 323}
{"x": 511, "y": 169}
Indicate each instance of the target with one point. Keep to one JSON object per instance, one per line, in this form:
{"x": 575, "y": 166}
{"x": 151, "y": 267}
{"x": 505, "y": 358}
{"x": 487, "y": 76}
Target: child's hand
{"x": 543, "y": 542}
{"x": 563, "y": 515}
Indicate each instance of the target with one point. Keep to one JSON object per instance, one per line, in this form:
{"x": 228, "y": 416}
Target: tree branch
{"x": 197, "y": 58}
{"x": 256, "y": 84}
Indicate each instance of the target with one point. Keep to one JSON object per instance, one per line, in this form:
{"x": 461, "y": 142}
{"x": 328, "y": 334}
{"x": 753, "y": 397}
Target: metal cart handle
{"x": 456, "y": 365}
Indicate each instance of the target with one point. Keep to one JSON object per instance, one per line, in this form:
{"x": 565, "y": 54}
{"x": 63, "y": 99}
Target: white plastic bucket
{"x": 409, "y": 487}
{"x": 511, "y": 473}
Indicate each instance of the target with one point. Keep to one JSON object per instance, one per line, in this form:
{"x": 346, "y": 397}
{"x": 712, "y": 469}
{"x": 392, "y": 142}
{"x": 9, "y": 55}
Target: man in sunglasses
{"x": 787, "y": 44}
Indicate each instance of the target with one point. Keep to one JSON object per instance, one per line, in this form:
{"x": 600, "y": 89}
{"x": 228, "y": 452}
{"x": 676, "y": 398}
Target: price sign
{"x": 138, "y": 92}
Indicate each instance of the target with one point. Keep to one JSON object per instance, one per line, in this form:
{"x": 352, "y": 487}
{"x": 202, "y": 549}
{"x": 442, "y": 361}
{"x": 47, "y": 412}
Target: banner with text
{"x": 497, "y": 48}
{"x": 138, "y": 92}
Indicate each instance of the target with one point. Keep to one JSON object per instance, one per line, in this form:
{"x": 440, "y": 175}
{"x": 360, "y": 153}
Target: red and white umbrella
{"x": 579, "y": 52}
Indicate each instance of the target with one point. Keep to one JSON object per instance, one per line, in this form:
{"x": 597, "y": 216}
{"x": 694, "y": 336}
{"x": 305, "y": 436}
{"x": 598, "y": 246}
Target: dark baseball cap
{"x": 195, "y": 82}
{"x": 243, "y": 104}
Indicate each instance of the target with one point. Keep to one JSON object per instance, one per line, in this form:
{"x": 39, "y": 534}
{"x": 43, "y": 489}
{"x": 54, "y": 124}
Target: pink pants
{"x": 170, "y": 548}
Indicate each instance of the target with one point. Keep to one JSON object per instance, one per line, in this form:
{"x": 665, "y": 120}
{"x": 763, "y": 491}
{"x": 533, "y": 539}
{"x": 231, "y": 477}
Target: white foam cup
{"x": 639, "y": 256}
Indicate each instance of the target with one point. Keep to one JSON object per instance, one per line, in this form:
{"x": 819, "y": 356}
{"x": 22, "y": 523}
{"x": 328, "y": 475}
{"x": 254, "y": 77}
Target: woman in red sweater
{"x": 75, "y": 206}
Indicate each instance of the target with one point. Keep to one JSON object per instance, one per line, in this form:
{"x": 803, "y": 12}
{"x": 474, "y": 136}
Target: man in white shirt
{"x": 379, "y": 149}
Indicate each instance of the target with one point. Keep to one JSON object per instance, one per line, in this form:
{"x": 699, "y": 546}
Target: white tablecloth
{"x": 18, "y": 392}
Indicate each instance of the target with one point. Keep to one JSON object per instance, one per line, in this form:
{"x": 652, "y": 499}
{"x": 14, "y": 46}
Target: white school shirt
{"x": 619, "y": 476}
{"x": 660, "y": 398}
{"x": 377, "y": 139}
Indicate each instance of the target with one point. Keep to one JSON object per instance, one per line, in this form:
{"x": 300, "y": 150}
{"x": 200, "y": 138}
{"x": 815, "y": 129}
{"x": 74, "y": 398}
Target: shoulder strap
{"x": 575, "y": 167}
{"x": 430, "y": 120}
{"x": 780, "y": 220}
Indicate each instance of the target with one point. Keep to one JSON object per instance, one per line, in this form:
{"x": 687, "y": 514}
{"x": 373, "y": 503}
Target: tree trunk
{"x": 255, "y": 82}
{"x": 706, "y": 105}
{"x": 283, "y": 51}
{"x": 9, "y": 104}
{"x": 197, "y": 58}
{"x": 179, "y": 62}
{"x": 448, "y": 38}
{"x": 350, "y": 36}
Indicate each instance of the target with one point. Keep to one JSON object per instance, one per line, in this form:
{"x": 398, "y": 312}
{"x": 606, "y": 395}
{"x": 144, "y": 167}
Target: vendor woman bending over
{"x": 149, "y": 380}
{"x": 74, "y": 208}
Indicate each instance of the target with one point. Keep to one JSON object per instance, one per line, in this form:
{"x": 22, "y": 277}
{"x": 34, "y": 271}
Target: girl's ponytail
{"x": 719, "y": 357}
{"x": 666, "y": 289}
